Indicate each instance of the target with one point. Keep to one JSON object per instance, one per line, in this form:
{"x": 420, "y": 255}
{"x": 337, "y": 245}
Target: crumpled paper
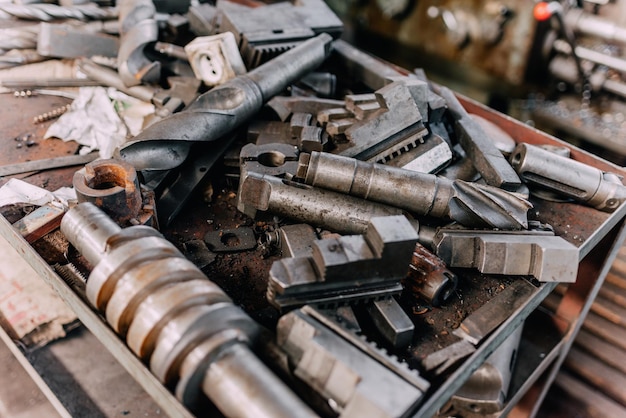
{"x": 18, "y": 191}
{"x": 92, "y": 122}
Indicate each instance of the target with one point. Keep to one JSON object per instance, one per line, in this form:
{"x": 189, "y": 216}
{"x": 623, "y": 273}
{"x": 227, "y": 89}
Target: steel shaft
{"x": 419, "y": 193}
{"x": 571, "y": 178}
{"x": 333, "y": 211}
{"x": 195, "y": 338}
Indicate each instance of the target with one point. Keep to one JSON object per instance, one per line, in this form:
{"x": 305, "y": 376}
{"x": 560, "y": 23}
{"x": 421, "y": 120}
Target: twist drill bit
{"x": 470, "y": 204}
{"x": 165, "y": 144}
{"x": 47, "y": 12}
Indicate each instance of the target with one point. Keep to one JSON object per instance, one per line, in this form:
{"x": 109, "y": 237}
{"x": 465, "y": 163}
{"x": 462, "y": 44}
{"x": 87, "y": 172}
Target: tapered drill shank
{"x": 222, "y": 109}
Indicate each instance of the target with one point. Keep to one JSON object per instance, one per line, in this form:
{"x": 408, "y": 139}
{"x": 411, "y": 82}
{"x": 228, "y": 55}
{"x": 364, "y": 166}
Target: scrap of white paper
{"x": 19, "y": 191}
{"x": 92, "y": 122}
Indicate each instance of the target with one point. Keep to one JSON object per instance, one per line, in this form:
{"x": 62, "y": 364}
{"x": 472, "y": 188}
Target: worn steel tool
{"x": 138, "y": 29}
{"x": 166, "y": 144}
{"x": 182, "y": 91}
{"x": 542, "y": 168}
{"x": 46, "y": 12}
{"x": 469, "y": 204}
{"x": 333, "y": 211}
{"x": 172, "y": 316}
{"x": 46, "y": 164}
{"x": 67, "y": 41}
{"x": 429, "y": 277}
{"x": 393, "y": 324}
{"x": 266, "y": 31}
{"x": 113, "y": 186}
{"x": 353, "y": 267}
{"x": 539, "y": 254}
{"x": 391, "y": 121}
{"x": 354, "y": 383}
{"x": 487, "y": 159}
{"x": 477, "y": 326}
{"x": 486, "y": 389}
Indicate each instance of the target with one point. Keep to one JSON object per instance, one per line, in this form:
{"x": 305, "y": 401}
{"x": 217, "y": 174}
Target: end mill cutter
{"x": 193, "y": 336}
{"x": 165, "y": 144}
{"x": 469, "y": 204}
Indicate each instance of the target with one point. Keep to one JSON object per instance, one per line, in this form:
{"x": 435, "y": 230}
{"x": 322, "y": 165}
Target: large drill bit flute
{"x": 165, "y": 144}
{"x": 47, "y": 12}
{"x": 469, "y": 204}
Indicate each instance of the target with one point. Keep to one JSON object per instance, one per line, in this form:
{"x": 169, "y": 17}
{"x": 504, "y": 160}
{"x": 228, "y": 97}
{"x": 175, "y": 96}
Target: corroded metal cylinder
{"x": 111, "y": 185}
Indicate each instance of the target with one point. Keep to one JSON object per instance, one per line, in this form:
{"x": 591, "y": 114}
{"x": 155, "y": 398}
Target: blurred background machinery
{"x": 558, "y": 66}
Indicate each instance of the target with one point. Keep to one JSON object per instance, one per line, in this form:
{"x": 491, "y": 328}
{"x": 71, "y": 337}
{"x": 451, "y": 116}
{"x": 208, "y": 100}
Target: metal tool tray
{"x": 597, "y": 234}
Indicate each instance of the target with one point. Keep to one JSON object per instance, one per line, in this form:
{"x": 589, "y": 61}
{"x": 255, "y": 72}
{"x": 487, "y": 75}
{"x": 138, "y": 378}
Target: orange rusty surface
{"x": 16, "y": 115}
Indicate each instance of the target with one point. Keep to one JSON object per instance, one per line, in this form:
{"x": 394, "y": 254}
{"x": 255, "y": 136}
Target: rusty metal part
{"x": 109, "y": 77}
{"x": 488, "y": 317}
{"x": 138, "y": 28}
{"x": 571, "y": 178}
{"x": 39, "y": 222}
{"x": 111, "y": 185}
{"x": 398, "y": 125}
{"x": 391, "y": 322}
{"x": 430, "y": 278}
{"x": 357, "y": 384}
{"x": 284, "y": 106}
{"x": 166, "y": 144}
{"x": 272, "y": 159}
{"x": 231, "y": 240}
{"x": 346, "y": 268}
{"x": 182, "y": 91}
{"x": 431, "y": 155}
{"x": 266, "y": 31}
{"x": 333, "y": 211}
{"x": 47, "y": 12}
{"x": 65, "y": 41}
{"x": 53, "y": 114}
{"x": 138, "y": 271}
{"x": 296, "y": 240}
{"x": 419, "y": 193}
{"x": 46, "y": 164}
{"x": 486, "y": 157}
{"x": 174, "y": 196}
{"x": 539, "y": 254}
{"x": 342, "y": 321}
{"x": 502, "y": 140}
{"x": 171, "y": 50}
{"x": 440, "y": 361}
{"x": 485, "y": 392}
{"x": 364, "y": 67}
{"x": 134, "y": 286}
